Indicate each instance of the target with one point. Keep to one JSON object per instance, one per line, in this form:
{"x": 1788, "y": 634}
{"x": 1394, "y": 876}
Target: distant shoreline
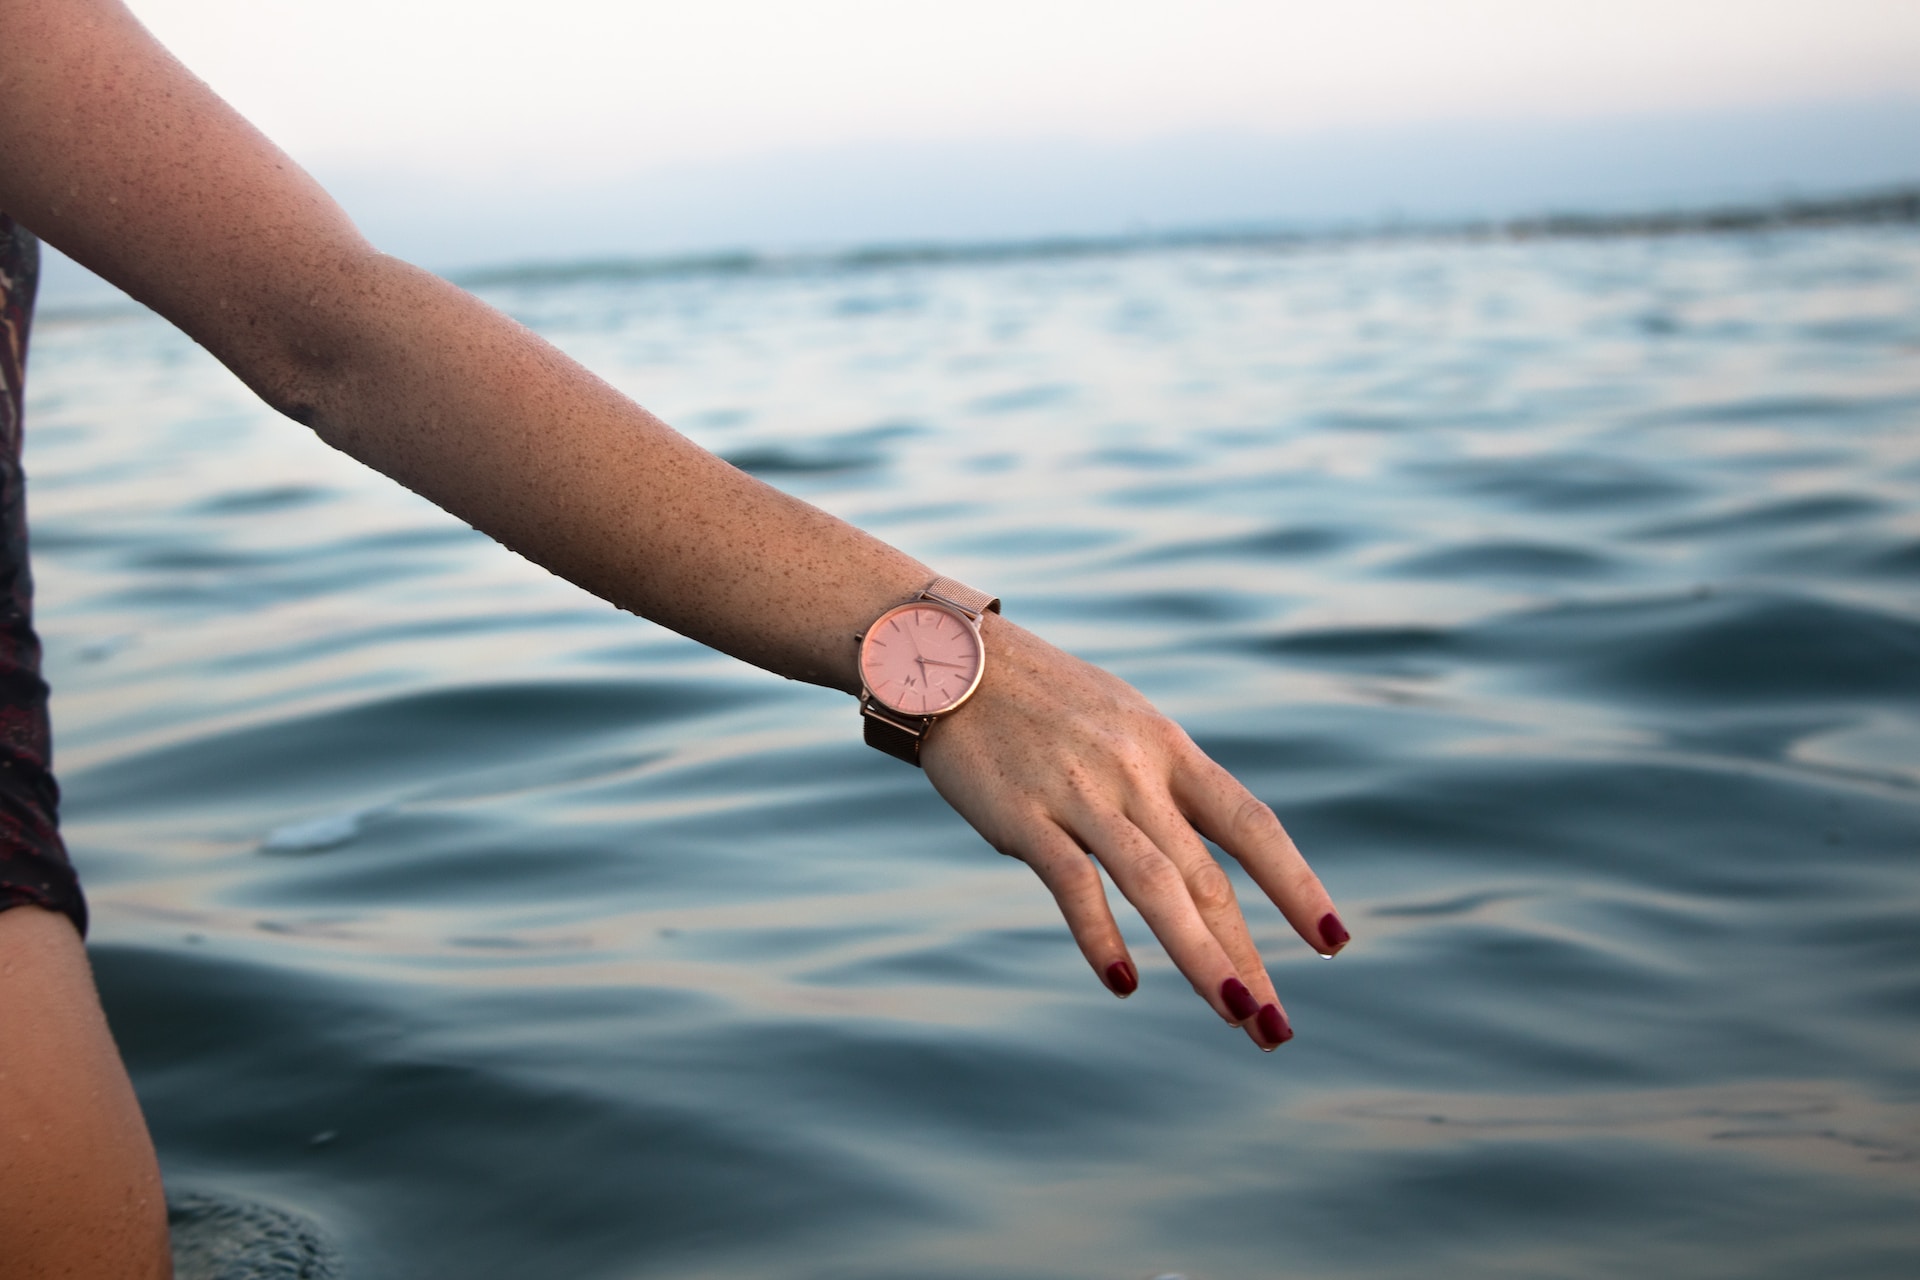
{"x": 1889, "y": 206}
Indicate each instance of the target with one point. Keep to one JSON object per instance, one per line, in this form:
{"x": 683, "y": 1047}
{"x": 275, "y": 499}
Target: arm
{"x": 117, "y": 155}
{"x": 79, "y": 1187}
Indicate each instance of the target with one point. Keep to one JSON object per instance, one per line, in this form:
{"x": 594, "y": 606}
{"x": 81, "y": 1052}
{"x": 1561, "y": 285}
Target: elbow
{"x": 300, "y": 411}
{"x": 300, "y": 391}
{"x": 296, "y": 374}
{"x": 312, "y": 341}
{"x": 291, "y": 390}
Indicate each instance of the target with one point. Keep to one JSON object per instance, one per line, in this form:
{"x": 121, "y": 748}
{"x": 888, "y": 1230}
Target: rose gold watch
{"x": 918, "y": 662}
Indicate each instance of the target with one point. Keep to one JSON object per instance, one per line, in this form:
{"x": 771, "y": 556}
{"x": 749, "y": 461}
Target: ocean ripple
{"x": 1558, "y": 594}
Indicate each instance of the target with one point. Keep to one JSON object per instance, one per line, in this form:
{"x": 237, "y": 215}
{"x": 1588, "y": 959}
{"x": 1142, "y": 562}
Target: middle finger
{"x": 1213, "y": 897}
{"x": 1157, "y": 888}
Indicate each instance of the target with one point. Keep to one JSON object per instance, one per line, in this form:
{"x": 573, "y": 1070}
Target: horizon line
{"x": 1880, "y": 205}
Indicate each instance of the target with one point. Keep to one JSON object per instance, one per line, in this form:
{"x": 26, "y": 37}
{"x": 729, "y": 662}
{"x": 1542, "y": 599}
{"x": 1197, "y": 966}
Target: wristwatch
{"x": 919, "y": 661}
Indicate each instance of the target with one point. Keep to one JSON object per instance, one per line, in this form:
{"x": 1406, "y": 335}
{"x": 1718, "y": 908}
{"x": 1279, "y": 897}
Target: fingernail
{"x": 1273, "y": 1028}
{"x": 1121, "y": 978}
{"x": 1332, "y": 933}
{"x": 1240, "y": 1001}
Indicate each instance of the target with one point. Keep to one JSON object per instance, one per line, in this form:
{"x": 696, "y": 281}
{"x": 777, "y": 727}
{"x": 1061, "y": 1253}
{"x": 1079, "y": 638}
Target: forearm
{"x": 436, "y": 389}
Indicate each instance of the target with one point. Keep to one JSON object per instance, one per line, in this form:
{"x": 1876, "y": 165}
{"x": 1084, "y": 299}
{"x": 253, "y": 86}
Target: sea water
{"x": 1560, "y": 595}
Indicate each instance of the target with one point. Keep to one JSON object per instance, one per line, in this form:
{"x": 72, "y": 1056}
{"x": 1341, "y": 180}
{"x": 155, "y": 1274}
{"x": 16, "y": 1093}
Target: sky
{"x": 572, "y": 84}
{"x": 622, "y": 126}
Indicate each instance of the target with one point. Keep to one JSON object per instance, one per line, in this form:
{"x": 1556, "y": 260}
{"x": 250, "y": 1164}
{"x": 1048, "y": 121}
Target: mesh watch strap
{"x": 961, "y": 596}
{"x": 895, "y": 739}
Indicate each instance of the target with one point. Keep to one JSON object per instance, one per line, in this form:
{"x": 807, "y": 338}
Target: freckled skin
{"x": 114, "y": 153}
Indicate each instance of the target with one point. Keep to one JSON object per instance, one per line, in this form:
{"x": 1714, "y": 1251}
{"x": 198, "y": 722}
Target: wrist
{"x": 919, "y": 661}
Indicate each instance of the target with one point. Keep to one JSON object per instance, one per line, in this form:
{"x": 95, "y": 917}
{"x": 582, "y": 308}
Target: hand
{"x": 1053, "y": 760}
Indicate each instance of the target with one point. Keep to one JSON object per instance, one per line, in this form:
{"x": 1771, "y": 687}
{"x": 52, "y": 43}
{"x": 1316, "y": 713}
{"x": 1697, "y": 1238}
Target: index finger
{"x": 1231, "y": 816}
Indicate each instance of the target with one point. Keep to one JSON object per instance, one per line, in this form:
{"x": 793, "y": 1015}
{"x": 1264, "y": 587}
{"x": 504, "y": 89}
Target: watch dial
{"x": 920, "y": 659}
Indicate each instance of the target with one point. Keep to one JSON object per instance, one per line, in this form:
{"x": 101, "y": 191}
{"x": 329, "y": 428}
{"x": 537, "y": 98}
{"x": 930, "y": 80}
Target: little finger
{"x": 1070, "y": 876}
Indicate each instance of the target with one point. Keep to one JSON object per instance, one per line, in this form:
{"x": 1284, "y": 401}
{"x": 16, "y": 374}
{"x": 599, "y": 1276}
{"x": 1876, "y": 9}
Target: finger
{"x": 1214, "y": 898}
{"x": 1070, "y": 876}
{"x": 1158, "y": 890}
{"x": 1239, "y": 822}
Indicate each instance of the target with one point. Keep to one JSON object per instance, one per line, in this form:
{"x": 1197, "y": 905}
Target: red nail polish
{"x": 1121, "y": 978}
{"x": 1332, "y": 933}
{"x": 1239, "y": 1000}
{"x": 1272, "y": 1025}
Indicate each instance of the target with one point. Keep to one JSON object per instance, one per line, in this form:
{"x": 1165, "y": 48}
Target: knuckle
{"x": 1007, "y": 849}
{"x": 1133, "y": 756}
{"x": 1301, "y": 884}
{"x": 1080, "y": 783}
{"x": 1170, "y": 741}
{"x": 1074, "y": 877}
{"x": 1254, "y": 817}
{"x": 1024, "y": 847}
{"x": 1212, "y": 890}
{"x": 1116, "y": 750}
{"x": 1157, "y": 877}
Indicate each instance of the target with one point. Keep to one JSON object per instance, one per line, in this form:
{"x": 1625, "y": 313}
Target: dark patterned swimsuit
{"x": 33, "y": 861}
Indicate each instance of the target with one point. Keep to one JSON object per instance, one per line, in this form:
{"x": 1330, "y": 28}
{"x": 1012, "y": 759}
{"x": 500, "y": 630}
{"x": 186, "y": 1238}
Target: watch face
{"x": 921, "y": 659}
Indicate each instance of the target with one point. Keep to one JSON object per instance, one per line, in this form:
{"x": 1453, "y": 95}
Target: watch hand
{"x": 935, "y": 662}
